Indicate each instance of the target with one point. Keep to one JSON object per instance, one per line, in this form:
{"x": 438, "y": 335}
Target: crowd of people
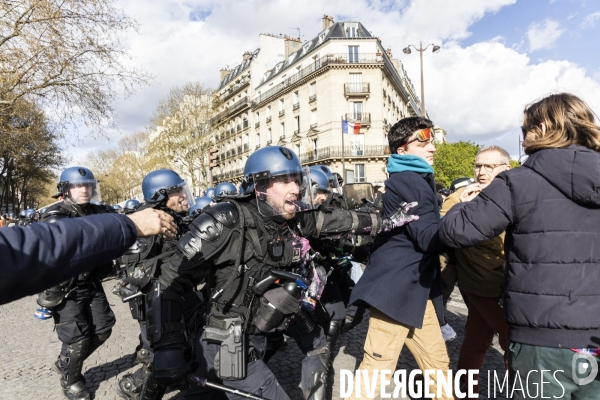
{"x": 227, "y": 274}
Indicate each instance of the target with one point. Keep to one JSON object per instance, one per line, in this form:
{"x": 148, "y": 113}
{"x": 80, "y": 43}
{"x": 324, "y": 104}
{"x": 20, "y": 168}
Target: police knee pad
{"x": 170, "y": 367}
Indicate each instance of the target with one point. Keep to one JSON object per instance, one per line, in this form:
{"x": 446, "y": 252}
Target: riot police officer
{"x": 165, "y": 190}
{"x": 82, "y": 316}
{"x": 225, "y": 189}
{"x": 28, "y": 216}
{"x": 239, "y": 248}
{"x": 131, "y": 205}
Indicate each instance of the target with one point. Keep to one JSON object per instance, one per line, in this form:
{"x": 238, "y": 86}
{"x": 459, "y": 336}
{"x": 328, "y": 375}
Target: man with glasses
{"x": 481, "y": 269}
{"x": 402, "y": 282}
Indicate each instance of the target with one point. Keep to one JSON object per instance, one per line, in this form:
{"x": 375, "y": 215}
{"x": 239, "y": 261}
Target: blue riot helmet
{"x": 333, "y": 181}
{"x": 31, "y": 214}
{"x": 210, "y": 192}
{"x": 280, "y": 183}
{"x": 225, "y": 189}
{"x": 201, "y": 202}
{"x": 166, "y": 186}
{"x": 10, "y": 215}
{"x": 319, "y": 185}
{"x": 22, "y": 214}
{"x": 131, "y": 205}
{"x": 78, "y": 185}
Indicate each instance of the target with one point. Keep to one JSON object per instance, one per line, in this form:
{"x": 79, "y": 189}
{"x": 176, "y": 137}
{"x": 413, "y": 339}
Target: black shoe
{"x": 126, "y": 388}
{"x": 76, "y": 391}
{"x": 56, "y": 367}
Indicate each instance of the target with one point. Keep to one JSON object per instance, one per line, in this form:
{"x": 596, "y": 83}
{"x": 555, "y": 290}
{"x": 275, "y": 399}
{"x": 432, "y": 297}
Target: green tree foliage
{"x": 454, "y": 160}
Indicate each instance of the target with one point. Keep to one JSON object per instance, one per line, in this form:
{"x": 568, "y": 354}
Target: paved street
{"x": 28, "y": 347}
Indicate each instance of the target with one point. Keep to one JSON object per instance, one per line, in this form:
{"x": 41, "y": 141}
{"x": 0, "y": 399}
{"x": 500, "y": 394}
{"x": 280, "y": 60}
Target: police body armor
{"x": 238, "y": 307}
{"x": 55, "y": 295}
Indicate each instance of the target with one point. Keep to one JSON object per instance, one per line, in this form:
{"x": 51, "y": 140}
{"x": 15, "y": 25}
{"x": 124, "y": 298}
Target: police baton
{"x": 205, "y": 383}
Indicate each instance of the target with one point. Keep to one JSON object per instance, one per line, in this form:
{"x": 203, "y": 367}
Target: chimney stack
{"x": 246, "y": 55}
{"x": 327, "y": 21}
{"x": 223, "y": 73}
{"x": 291, "y": 45}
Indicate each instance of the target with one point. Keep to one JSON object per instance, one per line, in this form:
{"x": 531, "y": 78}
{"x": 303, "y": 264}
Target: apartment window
{"x": 282, "y": 130}
{"x": 281, "y": 105}
{"x": 356, "y": 110}
{"x": 315, "y": 148}
{"x": 352, "y": 54}
{"x": 258, "y": 139}
{"x": 351, "y": 31}
{"x": 297, "y": 149}
{"x": 359, "y": 173}
{"x": 313, "y": 88}
{"x": 257, "y": 116}
{"x": 313, "y": 117}
{"x": 355, "y": 82}
{"x": 268, "y": 111}
{"x": 297, "y": 131}
{"x": 296, "y": 97}
{"x": 270, "y": 135}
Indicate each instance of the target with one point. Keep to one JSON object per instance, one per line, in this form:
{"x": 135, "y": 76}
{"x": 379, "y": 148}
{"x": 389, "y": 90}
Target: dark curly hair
{"x": 401, "y": 131}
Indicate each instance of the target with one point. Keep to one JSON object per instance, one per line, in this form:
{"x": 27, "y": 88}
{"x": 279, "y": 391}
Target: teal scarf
{"x": 407, "y": 162}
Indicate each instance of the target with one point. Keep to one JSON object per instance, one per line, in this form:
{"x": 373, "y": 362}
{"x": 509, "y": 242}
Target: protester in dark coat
{"x": 550, "y": 209}
{"x": 402, "y": 282}
{"x": 39, "y": 256}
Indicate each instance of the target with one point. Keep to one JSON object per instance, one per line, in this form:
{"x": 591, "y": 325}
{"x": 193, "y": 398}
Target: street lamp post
{"x": 435, "y": 49}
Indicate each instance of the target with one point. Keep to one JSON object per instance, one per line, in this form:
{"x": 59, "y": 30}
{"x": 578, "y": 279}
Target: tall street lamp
{"x": 406, "y": 50}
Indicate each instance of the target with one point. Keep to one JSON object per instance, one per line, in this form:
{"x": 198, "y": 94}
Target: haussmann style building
{"x": 296, "y": 95}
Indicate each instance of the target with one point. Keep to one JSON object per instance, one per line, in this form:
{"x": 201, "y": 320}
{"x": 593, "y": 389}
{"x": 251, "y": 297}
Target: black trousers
{"x": 259, "y": 378}
{"x": 84, "y": 313}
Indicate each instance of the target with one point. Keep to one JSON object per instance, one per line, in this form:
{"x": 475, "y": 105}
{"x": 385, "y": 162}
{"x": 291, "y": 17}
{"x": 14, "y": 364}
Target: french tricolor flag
{"x": 353, "y": 127}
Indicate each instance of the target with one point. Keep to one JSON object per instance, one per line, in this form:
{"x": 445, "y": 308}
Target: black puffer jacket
{"x": 550, "y": 209}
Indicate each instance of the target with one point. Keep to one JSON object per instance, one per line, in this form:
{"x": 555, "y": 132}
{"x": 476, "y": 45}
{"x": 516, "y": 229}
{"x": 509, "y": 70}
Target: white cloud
{"x": 589, "y": 21}
{"x": 543, "y": 35}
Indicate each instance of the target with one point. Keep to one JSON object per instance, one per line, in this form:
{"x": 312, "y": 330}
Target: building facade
{"x": 297, "y": 94}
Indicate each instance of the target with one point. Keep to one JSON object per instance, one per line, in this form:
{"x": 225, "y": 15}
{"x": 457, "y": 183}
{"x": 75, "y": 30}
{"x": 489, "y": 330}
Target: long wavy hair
{"x": 568, "y": 120}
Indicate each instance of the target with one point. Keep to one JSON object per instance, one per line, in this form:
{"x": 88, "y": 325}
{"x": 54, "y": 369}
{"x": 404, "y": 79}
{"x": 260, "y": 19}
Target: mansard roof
{"x": 238, "y": 69}
{"x": 335, "y": 31}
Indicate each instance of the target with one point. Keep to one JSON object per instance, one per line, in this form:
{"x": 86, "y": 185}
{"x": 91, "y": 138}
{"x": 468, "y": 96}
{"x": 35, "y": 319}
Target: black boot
{"x": 333, "y": 333}
{"x": 75, "y": 391}
{"x": 129, "y": 386}
{"x": 322, "y": 380}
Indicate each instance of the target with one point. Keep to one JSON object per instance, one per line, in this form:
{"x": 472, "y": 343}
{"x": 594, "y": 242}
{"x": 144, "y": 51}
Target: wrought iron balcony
{"x": 363, "y": 118}
{"x": 312, "y": 98}
{"x": 313, "y": 126}
{"x": 348, "y": 151}
{"x": 268, "y": 119}
{"x": 244, "y": 124}
{"x": 239, "y": 149}
{"x": 297, "y": 131}
{"x": 281, "y": 137}
{"x": 246, "y": 146}
{"x": 256, "y": 125}
{"x": 357, "y": 90}
{"x": 296, "y": 106}
{"x": 281, "y": 113}
{"x": 239, "y": 127}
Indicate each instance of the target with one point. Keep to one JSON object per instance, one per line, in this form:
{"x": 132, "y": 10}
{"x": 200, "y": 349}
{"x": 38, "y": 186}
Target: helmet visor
{"x": 84, "y": 192}
{"x": 180, "y": 198}
{"x": 284, "y": 194}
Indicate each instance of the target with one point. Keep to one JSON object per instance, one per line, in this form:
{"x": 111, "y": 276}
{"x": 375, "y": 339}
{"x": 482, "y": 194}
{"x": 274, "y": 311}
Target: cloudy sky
{"x": 497, "y": 55}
